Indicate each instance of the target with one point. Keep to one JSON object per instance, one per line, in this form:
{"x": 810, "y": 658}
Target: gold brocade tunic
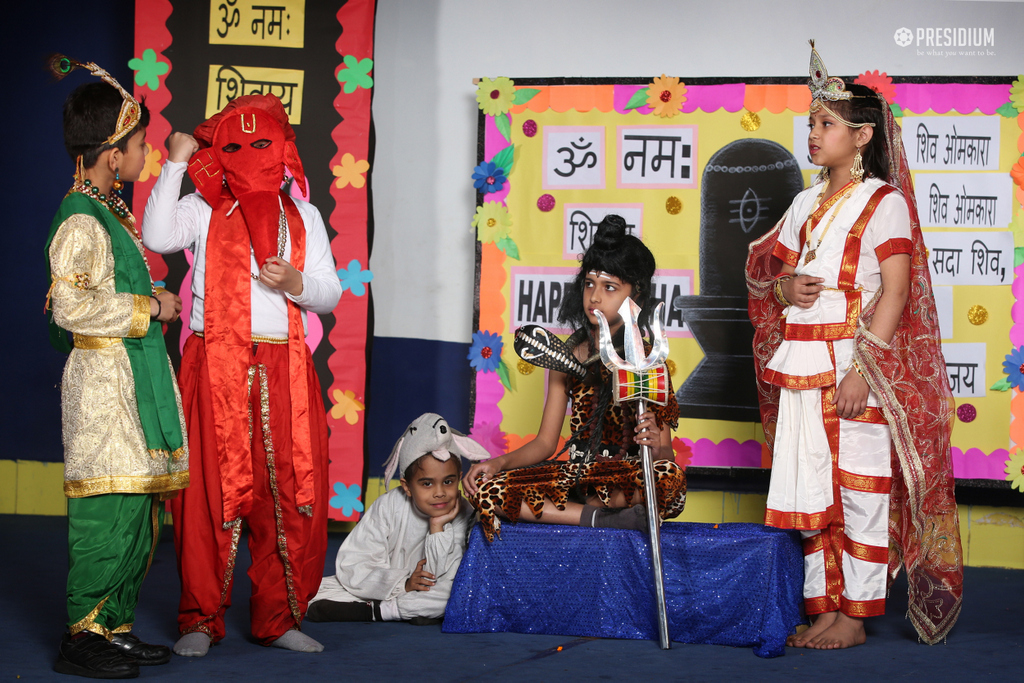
{"x": 104, "y": 446}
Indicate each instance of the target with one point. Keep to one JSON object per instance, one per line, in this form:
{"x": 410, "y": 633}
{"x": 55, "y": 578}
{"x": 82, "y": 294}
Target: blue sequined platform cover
{"x": 726, "y": 584}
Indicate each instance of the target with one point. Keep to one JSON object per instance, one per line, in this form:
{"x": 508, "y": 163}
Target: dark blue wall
{"x": 38, "y": 174}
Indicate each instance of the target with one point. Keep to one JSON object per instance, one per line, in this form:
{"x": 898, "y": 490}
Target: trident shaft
{"x": 636, "y": 362}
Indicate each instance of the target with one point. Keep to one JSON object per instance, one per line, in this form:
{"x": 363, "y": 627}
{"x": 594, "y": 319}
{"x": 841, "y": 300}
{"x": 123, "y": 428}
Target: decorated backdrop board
{"x": 699, "y": 169}
{"x": 191, "y": 59}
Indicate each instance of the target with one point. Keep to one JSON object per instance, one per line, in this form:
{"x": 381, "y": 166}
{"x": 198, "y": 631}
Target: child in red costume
{"x": 251, "y": 395}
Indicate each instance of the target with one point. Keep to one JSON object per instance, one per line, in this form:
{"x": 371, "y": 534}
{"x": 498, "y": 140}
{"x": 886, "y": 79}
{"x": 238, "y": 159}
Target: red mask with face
{"x": 250, "y": 143}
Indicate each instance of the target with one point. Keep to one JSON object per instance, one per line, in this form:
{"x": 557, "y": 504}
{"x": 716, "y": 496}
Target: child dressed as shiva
{"x": 601, "y": 485}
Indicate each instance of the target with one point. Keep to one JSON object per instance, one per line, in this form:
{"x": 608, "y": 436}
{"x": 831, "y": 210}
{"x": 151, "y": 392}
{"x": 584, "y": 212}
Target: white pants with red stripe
{"x": 831, "y": 480}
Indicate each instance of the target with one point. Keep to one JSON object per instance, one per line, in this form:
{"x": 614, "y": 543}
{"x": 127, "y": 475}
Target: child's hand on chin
{"x": 437, "y": 523}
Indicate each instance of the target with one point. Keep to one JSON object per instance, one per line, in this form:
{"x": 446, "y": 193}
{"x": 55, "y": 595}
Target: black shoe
{"x": 92, "y": 656}
{"x": 141, "y": 653}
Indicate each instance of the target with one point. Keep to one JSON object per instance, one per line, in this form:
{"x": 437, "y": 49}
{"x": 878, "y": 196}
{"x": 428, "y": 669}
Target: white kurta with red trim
{"x": 831, "y": 473}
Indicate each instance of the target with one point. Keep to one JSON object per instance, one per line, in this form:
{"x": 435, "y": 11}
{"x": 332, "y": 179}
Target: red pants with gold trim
{"x": 831, "y": 479}
{"x": 287, "y": 547}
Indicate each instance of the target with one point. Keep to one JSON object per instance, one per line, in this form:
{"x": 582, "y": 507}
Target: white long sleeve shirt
{"x": 382, "y": 551}
{"x": 171, "y": 225}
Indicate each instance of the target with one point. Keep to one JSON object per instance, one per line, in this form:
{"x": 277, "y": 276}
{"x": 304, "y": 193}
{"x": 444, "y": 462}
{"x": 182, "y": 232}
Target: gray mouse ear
{"x": 392, "y": 463}
{"x": 468, "y": 448}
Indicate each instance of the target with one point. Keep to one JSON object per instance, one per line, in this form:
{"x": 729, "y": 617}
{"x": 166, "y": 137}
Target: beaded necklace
{"x": 117, "y": 206}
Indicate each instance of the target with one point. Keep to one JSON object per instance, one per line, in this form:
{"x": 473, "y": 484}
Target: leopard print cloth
{"x": 619, "y": 421}
{"x": 506, "y": 491}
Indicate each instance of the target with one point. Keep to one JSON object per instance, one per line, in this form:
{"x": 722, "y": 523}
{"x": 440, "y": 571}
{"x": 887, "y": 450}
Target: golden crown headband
{"x": 825, "y": 88}
{"x": 130, "y": 113}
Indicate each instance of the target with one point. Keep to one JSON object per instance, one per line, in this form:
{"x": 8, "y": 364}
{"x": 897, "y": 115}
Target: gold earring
{"x": 117, "y": 184}
{"x": 857, "y": 172}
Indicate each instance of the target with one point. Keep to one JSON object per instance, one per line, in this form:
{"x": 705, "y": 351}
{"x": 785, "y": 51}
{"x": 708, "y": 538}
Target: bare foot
{"x": 821, "y": 623}
{"x": 844, "y": 632}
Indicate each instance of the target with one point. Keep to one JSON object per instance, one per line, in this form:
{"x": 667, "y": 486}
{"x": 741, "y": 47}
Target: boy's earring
{"x": 857, "y": 172}
{"x": 117, "y": 185}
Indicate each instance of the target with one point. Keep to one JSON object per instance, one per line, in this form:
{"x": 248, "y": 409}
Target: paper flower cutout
{"x": 353, "y": 278}
{"x": 495, "y": 97}
{"x": 490, "y": 436}
{"x": 881, "y": 83}
{"x": 545, "y": 202}
{"x": 492, "y": 222}
{"x": 149, "y": 69}
{"x": 489, "y": 177}
{"x": 1013, "y": 366}
{"x": 152, "y": 166}
{"x": 1015, "y": 469}
{"x": 665, "y": 96}
{"x": 1017, "y": 94}
{"x": 683, "y": 452}
{"x": 356, "y": 74}
{"x": 350, "y": 171}
{"x": 347, "y": 406}
{"x": 1017, "y": 172}
{"x": 346, "y": 498}
{"x": 485, "y": 351}
{"x": 529, "y": 128}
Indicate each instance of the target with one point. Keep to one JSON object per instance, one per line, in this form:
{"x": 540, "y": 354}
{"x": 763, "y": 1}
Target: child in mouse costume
{"x": 399, "y": 562}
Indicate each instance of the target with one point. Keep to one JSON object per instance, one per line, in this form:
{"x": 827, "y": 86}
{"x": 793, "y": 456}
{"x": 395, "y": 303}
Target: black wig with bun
{"x": 618, "y": 254}
{"x": 627, "y": 258}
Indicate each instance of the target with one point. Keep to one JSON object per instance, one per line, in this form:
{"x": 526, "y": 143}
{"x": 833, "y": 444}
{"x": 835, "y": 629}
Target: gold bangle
{"x": 779, "y": 296}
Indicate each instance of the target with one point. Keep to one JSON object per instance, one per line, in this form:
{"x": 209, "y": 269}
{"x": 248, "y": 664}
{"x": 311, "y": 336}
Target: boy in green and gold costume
{"x": 123, "y": 429}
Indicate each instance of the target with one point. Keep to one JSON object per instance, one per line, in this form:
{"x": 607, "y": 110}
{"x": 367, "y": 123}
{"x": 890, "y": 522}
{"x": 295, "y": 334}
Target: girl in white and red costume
{"x": 854, "y": 396}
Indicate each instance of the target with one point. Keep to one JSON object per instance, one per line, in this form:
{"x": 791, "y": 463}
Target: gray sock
{"x": 195, "y": 644}
{"x": 587, "y": 515}
{"x": 298, "y": 642}
{"x": 621, "y": 518}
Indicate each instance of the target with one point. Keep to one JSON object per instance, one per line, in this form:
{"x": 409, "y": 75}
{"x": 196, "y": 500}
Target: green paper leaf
{"x": 504, "y": 159}
{"x": 508, "y": 245}
{"x": 639, "y": 99}
{"x": 897, "y": 110}
{"x": 524, "y": 95}
{"x": 504, "y": 126}
{"x": 504, "y": 376}
{"x": 1018, "y": 256}
{"x": 1008, "y": 111}
{"x": 1001, "y": 385}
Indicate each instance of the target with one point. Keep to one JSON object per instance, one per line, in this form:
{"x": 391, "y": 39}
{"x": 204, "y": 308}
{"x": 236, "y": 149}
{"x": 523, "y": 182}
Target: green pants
{"x": 111, "y": 539}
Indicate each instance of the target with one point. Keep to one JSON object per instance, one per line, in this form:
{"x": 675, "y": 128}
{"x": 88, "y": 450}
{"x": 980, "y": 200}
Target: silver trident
{"x": 636, "y": 362}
